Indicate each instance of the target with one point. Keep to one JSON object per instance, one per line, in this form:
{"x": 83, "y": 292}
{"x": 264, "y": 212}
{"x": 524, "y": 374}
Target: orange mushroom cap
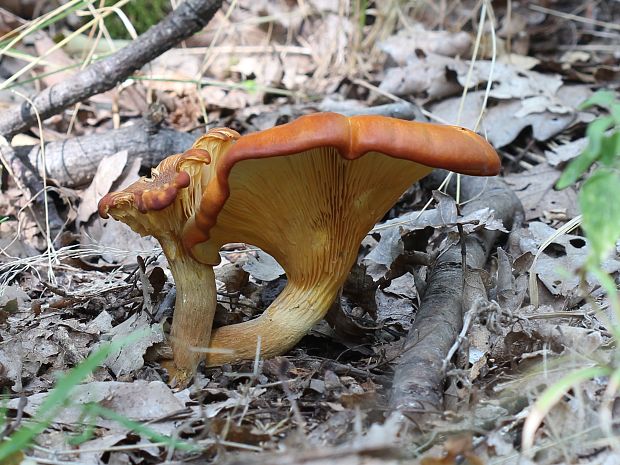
{"x": 435, "y": 146}
{"x": 171, "y": 177}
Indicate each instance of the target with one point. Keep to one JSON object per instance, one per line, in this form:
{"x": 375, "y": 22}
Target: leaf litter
{"x": 330, "y": 391}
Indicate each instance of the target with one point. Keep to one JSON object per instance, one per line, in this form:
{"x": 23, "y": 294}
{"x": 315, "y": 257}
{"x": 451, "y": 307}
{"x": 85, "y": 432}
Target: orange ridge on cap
{"x": 164, "y": 195}
{"x": 159, "y": 191}
{"x": 438, "y": 146}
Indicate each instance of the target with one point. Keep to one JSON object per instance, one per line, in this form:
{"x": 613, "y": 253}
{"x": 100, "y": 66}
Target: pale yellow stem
{"x": 289, "y": 318}
{"x": 193, "y": 313}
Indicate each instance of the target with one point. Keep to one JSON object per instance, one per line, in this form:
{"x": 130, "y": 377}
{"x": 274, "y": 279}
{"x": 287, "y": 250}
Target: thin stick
{"x": 190, "y": 17}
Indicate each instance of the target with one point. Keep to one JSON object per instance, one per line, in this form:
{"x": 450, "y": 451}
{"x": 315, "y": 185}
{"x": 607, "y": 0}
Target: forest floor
{"x": 70, "y": 281}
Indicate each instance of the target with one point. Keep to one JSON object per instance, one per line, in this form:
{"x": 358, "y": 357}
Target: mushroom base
{"x": 289, "y": 318}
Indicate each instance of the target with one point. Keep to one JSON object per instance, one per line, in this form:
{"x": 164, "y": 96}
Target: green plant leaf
{"x": 595, "y": 133}
{"x": 250, "y": 85}
{"x": 614, "y": 111}
{"x": 602, "y": 98}
{"x": 576, "y": 168}
{"x": 85, "y": 429}
{"x": 610, "y": 149}
{"x": 363, "y": 6}
{"x": 3, "y": 411}
{"x": 601, "y": 211}
{"x": 142, "y": 14}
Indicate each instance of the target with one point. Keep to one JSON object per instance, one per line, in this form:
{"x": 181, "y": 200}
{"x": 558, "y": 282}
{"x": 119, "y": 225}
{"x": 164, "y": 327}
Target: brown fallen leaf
{"x": 364, "y": 401}
{"x": 535, "y": 188}
{"x": 54, "y": 61}
{"x": 107, "y": 173}
{"x": 9, "y": 19}
{"x": 409, "y": 41}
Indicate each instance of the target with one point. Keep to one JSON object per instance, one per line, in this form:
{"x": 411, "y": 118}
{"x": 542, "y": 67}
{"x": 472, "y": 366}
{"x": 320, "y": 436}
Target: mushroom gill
{"x": 307, "y": 193}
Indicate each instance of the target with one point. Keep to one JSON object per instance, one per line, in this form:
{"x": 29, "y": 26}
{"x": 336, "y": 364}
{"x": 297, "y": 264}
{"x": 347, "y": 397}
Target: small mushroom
{"x": 306, "y": 192}
{"x": 159, "y": 206}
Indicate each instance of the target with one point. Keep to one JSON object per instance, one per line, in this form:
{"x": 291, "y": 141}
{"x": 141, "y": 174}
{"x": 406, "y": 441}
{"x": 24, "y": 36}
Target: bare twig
{"x": 190, "y": 17}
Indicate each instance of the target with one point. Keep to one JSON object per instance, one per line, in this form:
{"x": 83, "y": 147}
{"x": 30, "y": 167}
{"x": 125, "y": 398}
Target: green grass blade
{"x": 58, "y": 397}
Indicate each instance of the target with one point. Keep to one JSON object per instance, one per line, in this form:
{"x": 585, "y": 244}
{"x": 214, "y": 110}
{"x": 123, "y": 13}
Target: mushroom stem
{"x": 289, "y": 318}
{"x": 193, "y": 313}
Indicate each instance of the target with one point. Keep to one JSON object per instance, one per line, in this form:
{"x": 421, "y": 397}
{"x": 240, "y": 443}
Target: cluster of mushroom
{"x": 306, "y": 192}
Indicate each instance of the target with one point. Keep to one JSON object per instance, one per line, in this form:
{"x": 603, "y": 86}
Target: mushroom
{"x": 306, "y": 192}
{"x": 159, "y": 206}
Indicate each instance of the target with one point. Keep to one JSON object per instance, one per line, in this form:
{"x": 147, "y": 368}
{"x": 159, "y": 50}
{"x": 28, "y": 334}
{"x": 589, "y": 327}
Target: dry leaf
{"x": 108, "y": 171}
{"x": 54, "y": 61}
{"x": 263, "y": 266}
{"x": 501, "y": 126}
{"x": 407, "y": 43}
{"x": 536, "y": 191}
{"x": 131, "y": 355}
{"x": 426, "y": 75}
{"x": 138, "y": 401}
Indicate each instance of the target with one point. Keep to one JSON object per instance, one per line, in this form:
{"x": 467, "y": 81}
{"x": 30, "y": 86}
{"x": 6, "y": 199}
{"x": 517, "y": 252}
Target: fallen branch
{"x": 73, "y": 162}
{"x": 188, "y": 18}
{"x": 419, "y": 373}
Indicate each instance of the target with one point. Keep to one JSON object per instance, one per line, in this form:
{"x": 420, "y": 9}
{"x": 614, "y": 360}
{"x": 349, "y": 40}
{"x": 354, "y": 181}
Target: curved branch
{"x": 190, "y": 17}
